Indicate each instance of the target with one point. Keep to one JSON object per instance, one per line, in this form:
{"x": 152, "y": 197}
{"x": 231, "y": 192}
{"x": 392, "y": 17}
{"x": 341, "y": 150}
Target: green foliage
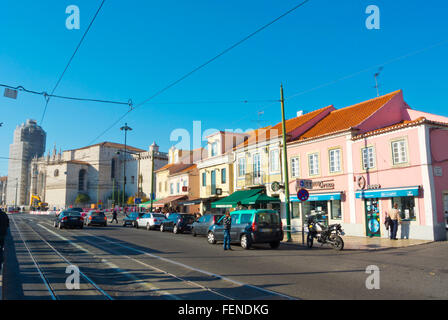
{"x": 82, "y": 198}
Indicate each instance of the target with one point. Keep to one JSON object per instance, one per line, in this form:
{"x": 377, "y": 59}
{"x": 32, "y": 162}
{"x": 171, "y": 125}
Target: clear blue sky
{"x": 137, "y": 47}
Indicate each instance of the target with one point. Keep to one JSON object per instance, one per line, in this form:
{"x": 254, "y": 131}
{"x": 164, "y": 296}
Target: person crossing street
{"x": 114, "y": 216}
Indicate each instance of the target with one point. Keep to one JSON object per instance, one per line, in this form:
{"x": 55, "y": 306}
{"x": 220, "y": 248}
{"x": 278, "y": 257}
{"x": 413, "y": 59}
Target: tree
{"x": 82, "y": 198}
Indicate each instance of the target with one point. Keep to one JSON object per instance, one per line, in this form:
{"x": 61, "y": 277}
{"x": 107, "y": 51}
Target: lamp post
{"x": 152, "y": 179}
{"x": 126, "y": 128}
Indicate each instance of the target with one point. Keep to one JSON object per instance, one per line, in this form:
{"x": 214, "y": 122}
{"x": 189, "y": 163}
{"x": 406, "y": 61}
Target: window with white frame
{"x": 313, "y": 164}
{"x": 295, "y": 167}
{"x": 335, "y": 160}
{"x": 368, "y": 158}
{"x": 274, "y": 161}
{"x": 256, "y": 165}
{"x": 171, "y": 188}
{"x": 178, "y": 187}
{"x": 399, "y": 152}
{"x": 241, "y": 167}
{"x": 214, "y": 149}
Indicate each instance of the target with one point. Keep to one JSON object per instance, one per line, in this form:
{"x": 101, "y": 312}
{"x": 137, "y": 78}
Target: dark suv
{"x": 201, "y": 226}
{"x": 177, "y": 222}
{"x": 249, "y": 227}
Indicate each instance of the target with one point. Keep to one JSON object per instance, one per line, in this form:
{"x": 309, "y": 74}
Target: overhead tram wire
{"x": 47, "y": 96}
{"x": 172, "y": 84}
{"x": 70, "y": 60}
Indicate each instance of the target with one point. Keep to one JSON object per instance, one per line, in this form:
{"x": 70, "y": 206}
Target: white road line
{"x": 45, "y": 281}
{"x": 238, "y": 283}
{"x": 114, "y": 266}
{"x": 196, "y": 269}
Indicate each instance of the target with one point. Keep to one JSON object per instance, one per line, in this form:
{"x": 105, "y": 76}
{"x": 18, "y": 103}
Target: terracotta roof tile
{"x": 348, "y": 117}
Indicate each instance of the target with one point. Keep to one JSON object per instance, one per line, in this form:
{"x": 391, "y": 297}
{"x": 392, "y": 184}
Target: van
{"x": 250, "y": 227}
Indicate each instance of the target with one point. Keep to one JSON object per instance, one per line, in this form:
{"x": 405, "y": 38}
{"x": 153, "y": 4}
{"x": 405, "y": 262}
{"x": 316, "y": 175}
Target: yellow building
{"x": 216, "y": 177}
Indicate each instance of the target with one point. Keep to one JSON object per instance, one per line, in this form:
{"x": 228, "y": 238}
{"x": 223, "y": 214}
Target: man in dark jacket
{"x": 227, "y": 223}
{"x": 4, "y": 225}
{"x": 114, "y": 215}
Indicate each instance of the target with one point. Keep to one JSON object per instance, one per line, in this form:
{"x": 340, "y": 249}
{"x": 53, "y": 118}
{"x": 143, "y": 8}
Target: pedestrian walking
{"x": 114, "y": 216}
{"x": 4, "y": 225}
{"x": 395, "y": 219}
{"x": 227, "y": 223}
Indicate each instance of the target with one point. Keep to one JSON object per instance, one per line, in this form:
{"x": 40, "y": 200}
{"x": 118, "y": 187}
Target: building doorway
{"x": 373, "y": 224}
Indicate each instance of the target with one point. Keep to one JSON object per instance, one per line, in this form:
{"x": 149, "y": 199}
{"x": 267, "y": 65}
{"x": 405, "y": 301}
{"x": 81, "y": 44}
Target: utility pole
{"x": 285, "y": 168}
{"x": 125, "y": 129}
{"x": 152, "y": 178}
{"x": 113, "y": 192}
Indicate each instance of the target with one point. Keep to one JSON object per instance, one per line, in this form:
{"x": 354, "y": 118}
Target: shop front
{"x": 326, "y": 206}
{"x": 379, "y": 201}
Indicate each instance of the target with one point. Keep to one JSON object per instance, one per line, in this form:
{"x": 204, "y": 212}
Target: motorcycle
{"x": 324, "y": 235}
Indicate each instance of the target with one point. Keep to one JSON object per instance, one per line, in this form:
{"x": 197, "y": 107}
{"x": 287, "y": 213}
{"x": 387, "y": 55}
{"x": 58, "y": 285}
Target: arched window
{"x": 82, "y": 180}
{"x": 56, "y": 173}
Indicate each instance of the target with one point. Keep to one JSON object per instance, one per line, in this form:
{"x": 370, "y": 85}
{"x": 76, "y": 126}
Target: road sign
{"x": 10, "y": 93}
{"x": 137, "y": 200}
{"x": 303, "y": 195}
{"x": 305, "y": 184}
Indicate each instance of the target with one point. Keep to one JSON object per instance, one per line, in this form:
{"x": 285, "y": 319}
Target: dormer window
{"x": 214, "y": 149}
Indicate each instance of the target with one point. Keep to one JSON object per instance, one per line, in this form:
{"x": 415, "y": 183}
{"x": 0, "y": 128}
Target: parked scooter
{"x": 324, "y": 235}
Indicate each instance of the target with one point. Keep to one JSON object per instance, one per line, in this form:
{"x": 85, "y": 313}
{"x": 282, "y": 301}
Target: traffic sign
{"x": 137, "y": 200}
{"x": 305, "y": 184}
{"x": 303, "y": 195}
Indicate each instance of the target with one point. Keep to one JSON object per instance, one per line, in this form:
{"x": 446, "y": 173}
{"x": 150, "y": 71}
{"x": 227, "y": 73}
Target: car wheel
{"x": 309, "y": 241}
{"x": 211, "y": 238}
{"x": 245, "y": 242}
{"x": 162, "y": 229}
{"x": 275, "y": 244}
{"x": 175, "y": 229}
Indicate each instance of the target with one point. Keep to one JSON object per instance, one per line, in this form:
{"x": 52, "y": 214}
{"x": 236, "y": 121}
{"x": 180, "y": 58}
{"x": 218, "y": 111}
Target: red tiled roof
{"x": 270, "y": 132}
{"x": 348, "y": 117}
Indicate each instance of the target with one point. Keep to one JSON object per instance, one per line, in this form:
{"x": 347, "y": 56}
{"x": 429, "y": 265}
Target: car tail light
{"x": 81, "y": 218}
{"x": 105, "y": 218}
{"x": 64, "y": 219}
{"x": 254, "y": 226}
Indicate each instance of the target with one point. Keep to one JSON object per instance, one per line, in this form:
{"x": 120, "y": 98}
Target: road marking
{"x": 114, "y": 266}
{"x": 236, "y": 282}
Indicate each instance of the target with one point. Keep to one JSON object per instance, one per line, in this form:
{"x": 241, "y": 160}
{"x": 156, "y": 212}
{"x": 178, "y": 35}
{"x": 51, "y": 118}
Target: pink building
{"x": 365, "y": 158}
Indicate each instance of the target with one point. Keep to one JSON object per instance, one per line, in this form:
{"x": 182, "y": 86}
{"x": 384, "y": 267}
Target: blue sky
{"x": 136, "y": 47}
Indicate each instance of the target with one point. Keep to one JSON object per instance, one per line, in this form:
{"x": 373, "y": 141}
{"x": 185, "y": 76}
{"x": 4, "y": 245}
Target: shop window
{"x": 223, "y": 176}
{"x": 336, "y": 212}
{"x": 295, "y": 210}
{"x": 204, "y": 179}
{"x": 406, "y": 205}
{"x": 317, "y": 208}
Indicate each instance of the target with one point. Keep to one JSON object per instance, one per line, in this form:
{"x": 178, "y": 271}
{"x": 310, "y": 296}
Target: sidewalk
{"x": 364, "y": 243}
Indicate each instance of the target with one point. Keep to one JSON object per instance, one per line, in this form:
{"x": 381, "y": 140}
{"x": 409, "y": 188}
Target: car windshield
{"x": 97, "y": 214}
{"x": 73, "y": 214}
{"x": 158, "y": 215}
{"x": 187, "y": 217}
{"x": 268, "y": 218}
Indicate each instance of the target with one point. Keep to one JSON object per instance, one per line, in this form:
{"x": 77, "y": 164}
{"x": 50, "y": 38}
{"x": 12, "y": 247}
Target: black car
{"x": 97, "y": 218}
{"x": 69, "y": 219}
{"x": 131, "y": 219}
{"x": 249, "y": 227}
{"x": 201, "y": 226}
{"x": 177, "y": 223}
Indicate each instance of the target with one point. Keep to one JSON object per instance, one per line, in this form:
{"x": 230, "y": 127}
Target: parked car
{"x": 177, "y": 223}
{"x": 69, "y": 219}
{"x": 97, "y": 218}
{"x": 446, "y": 220}
{"x": 201, "y": 226}
{"x": 131, "y": 219}
{"x": 249, "y": 227}
{"x": 151, "y": 220}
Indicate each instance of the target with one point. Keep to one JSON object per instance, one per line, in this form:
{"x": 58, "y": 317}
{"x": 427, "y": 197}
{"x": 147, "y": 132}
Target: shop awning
{"x": 163, "y": 202}
{"x": 319, "y": 197}
{"x": 146, "y": 204}
{"x": 259, "y": 198}
{"x": 388, "y": 193}
{"x": 232, "y": 200}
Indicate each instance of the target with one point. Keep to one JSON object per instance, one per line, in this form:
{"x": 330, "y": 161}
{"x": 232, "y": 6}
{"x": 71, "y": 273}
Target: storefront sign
{"x": 324, "y": 185}
{"x": 388, "y": 193}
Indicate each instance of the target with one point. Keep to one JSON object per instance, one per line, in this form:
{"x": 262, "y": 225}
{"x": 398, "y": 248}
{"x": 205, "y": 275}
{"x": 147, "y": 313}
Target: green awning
{"x": 259, "y": 198}
{"x": 147, "y": 203}
{"x": 232, "y": 200}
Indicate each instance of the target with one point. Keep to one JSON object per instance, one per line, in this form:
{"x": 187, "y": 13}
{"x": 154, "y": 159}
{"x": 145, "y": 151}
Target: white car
{"x": 150, "y": 221}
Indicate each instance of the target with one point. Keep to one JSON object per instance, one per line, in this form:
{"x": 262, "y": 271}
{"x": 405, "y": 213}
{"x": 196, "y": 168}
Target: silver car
{"x": 150, "y": 221}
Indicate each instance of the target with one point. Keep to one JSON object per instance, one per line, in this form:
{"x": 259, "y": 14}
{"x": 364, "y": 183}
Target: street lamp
{"x": 126, "y": 128}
